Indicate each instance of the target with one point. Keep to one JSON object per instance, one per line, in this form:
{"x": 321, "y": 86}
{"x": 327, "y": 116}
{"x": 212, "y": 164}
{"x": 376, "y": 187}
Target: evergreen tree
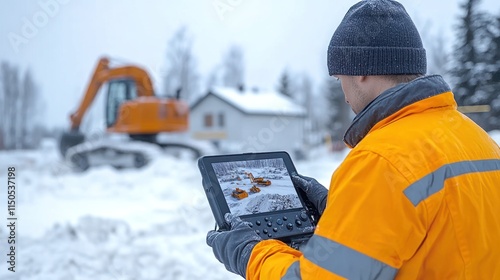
{"x": 476, "y": 68}
{"x": 492, "y": 69}
{"x": 466, "y": 54}
{"x": 285, "y": 84}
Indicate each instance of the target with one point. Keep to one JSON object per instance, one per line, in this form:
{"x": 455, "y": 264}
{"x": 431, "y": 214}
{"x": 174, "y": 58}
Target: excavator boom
{"x": 104, "y": 73}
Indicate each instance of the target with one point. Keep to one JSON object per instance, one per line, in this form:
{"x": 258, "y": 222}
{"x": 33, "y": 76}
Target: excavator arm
{"x": 103, "y": 73}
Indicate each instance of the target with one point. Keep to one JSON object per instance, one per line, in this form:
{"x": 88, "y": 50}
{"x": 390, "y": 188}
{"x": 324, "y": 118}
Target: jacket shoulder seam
{"x": 390, "y": 163}
{"x": 427, "y": 224}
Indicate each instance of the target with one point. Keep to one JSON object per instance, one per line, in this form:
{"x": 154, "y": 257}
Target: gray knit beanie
{"x": 376, "y": 37}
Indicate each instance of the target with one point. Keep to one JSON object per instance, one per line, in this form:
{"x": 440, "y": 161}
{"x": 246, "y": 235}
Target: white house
{"x": 248, "y": 121}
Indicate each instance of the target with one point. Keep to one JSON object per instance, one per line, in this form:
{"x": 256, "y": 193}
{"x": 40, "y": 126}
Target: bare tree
{"x": 181, "y": 78}
{"x": 438, "y": 56}
{"x": 233, "y": 68}
{"x": 2, "y": 111}
{"x": 10, "y": 84}
{"x": 214, "y": 78}
{"x": 338, "y": 113}
{"x": 29, "y": 110}
{"x": 18, "y": 109}
{"x": 305, "y": 94}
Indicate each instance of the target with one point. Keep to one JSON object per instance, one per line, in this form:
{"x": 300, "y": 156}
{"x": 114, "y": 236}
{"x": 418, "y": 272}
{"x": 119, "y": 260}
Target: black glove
{"x": 233, "y": 247}
{"x": 316, "y": 192}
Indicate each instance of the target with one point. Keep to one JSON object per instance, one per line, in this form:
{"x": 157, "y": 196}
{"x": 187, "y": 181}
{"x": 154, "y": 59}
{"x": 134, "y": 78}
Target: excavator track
{"x": 127, "y": 153}
{"x": 181, "y": 150}
{"x": 119, "y": 154}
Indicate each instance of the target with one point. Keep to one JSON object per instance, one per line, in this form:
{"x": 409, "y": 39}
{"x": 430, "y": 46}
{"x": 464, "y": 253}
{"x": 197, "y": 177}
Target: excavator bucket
{"x": 70, "y": 139}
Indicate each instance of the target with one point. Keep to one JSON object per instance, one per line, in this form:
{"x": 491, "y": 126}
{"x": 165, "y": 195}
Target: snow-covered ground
{"x": 105, "y": 223}
{"x": 108, "y": 224}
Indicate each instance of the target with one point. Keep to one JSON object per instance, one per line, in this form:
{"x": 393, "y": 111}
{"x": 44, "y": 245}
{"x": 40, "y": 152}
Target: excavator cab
{"x": 119, "y": 91}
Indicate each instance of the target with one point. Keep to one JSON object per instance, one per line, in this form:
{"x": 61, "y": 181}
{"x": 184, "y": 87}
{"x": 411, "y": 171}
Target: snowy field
{"x": 115, "y": 224}
{"x": 108, "y": 224}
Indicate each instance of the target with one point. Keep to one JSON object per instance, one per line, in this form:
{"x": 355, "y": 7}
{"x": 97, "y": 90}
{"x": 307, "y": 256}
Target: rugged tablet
{"x": 258, "y": 188}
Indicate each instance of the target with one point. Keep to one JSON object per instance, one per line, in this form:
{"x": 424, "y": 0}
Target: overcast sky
{"x": 69, "y": 37}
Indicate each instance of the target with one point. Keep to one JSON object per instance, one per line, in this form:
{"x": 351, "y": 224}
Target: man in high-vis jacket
{"x": 418, "y": 196}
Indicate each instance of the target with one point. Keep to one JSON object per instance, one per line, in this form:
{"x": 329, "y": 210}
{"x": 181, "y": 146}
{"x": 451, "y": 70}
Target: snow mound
{"x": 272, "y": 202}
{"x": 97, "y": 248}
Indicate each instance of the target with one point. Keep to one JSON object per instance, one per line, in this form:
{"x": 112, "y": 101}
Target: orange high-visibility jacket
{"x": 418, "y": 197}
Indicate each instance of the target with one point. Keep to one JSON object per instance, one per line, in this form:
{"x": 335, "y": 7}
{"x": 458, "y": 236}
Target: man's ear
{"x": 364, "y": 83}
{"x": 362, "y": 79}
{"x": 359, "y": 81}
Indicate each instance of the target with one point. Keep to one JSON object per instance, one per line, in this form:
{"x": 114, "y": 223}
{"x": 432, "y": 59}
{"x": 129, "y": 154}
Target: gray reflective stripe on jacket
{"x": 293, "y": 272}
{"x": 341, "y": 260}
{"x": 434, "y": 182}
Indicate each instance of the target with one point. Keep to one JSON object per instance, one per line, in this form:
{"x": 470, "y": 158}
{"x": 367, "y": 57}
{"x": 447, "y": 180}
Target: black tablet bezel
{"x": 213, "y": 189}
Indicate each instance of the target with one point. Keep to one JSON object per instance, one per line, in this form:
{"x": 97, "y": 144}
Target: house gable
{"x": 211, "y": 94}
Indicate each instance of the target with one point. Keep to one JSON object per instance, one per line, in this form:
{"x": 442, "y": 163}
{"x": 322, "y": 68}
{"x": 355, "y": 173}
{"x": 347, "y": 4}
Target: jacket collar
{"x": 391, "y": 101}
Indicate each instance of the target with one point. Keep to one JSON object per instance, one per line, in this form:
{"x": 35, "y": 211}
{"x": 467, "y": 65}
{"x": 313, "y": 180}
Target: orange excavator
{"x": 239, "y": 194}
{"x": 258, "y": 180}
{"x": 131, "y": 109}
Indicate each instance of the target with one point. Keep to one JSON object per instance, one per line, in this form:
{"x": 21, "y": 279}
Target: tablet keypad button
{"x": 275, "y": 229}
{"x": 285, "y": 218}
{"x": 298, "y": 222}
{"x": 257, "y": 231}
{"x": 303, "y": 216}
{"x": 270, "y": 235}
{"x": 257, "y": 222}
{"x": 289, "y": 226}
{"x": 269, "y": 224}
{"x": 265, "y": 231}
{"x": 279, "y": 222}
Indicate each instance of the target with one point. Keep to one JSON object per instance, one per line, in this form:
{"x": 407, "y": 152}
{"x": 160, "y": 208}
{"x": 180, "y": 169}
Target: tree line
{"x": 19, "y": 109}
{"x": 224, "y": 168}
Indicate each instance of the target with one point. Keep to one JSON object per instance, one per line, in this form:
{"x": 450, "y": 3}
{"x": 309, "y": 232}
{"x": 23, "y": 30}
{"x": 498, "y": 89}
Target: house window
{"x": 209, "y": 122}
{"x": 221, "y": 120}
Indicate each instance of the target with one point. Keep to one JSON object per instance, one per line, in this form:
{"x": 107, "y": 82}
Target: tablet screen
{"x": 256, "y": 186}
